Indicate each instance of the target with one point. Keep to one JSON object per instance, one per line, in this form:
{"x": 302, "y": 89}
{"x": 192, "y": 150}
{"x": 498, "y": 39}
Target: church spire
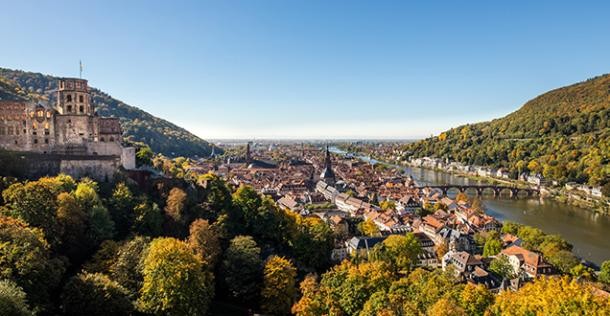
{"x": 328, "y": 175}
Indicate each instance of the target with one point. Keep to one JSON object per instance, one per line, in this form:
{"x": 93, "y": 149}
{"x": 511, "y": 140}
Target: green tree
{"x": 241, "y": 268}
{"x": 94, "y": 294}
{"x": 604, "y": 272}
{"x": 121, "y": 208}
{"x": 175, "y": 280}
{"x": 26, "y": 260}
{"x": 148, "y": 220}
{"x": 279, "y": 286}
{"x": 144, "y": 156}
{"x": 13, "y": 301}
{"x": 127, "y": 268}
{"x": 492, "y": 247}
{"x": 73, "y": 222}
{"x": 399, "y": 251}
{"x": 502, "y": 267}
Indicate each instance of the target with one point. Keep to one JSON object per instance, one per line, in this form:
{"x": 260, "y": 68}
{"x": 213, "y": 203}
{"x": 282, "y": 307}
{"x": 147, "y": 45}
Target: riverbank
{"x": 598, "y": 206}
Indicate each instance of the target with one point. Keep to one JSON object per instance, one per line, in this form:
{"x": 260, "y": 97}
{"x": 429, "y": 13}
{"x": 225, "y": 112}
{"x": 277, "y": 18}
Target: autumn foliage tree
{"x": 175, "y": 280}
{"x": 279, "y": 286}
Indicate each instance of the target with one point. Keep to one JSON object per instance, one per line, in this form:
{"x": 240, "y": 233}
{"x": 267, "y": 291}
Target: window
{"x": 69, "y": 108}
{"x": 81, "y": 99}
{"x": 2, "y": 131}
{"x": 24, "y": 123}
{"x": 35, "y": 141}
{"x": 81, "y": 109}
{"x": 34, "y": 125}
{"x": 10, "y": 130}
{"x": 16, "y": 143}
{"x": 40, "y": 113}
{"x": 69, "y": 98}
{"x": 46, "y": 125}
{"x": 49, "y": 114}
{"x": 102, "y": 139}
{"x": 111, "y": 138}
{"x": 46, "y": 140}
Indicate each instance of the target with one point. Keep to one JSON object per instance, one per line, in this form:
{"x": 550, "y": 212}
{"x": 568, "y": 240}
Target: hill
{"x": 563, "y": 134}
{"x": 138, "y": 126}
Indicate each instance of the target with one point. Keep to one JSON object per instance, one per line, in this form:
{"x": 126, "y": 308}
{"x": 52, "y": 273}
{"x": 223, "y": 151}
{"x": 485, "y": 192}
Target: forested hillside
{"x": 563, "y": 134}
{"x": 138, "y": 126}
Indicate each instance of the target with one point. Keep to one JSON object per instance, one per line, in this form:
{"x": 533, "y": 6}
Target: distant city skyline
{"x": 313, "y": 69}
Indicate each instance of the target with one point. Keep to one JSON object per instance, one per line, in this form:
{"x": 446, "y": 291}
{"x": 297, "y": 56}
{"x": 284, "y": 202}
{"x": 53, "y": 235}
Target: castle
{"x": 68, "y": 137}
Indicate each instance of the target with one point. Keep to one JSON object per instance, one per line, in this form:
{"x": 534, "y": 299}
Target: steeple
{"x": 328, "y": 175}
{"x": 248, "y": 157}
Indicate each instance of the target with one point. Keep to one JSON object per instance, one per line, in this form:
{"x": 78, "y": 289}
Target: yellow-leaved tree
{"x": 552, "y": 296}
{"x": 279, "y": 286}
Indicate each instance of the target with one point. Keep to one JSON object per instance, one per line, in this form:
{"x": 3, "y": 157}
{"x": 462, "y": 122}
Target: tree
{"x": 148, "y": 220}
{"x": 502, "y": 267}
{"x": 26, "y": 260}
{"x": 175, "y": 211}
{"x": 94, "y": 294}
{"x": 551, "y": 296}
{"x": 310, "y": 304}
{"x": 475, "y": 299}
{"x": 510, "y": 228}
{"x": 387, "y": 205}
{"x": 35, "y": 203}
{"x": 101, "y": 226}
{"x": 241, "y": 268}
{"x": 127, "y": 268}
{"x": 13, "y": 300}
{"x": 175, "y": 280}
{"x": 492, "y": 247}
{"x": 400, "y": 251}
{"x": 144, "y": 156}
{"x": 103, "y": 258}
{"x": 312, "y": 243}
{"x": 121, "y": 208}
{"x": 203, "y": 239}
{"x": 368, "y": 228}
{"x": 279, "y": 286}
{"x": 604, "y": 272}
{"x": 446, "y": 307}
{"x": 73, "y": 223}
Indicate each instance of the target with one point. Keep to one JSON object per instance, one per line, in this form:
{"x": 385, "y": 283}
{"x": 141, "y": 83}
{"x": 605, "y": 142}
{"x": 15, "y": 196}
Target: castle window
{"x": 10, "y": 130}
{"x": 69, "y": 108}
{"x": 69, "y": 98}
{"x": 46, "y": 132}
{"x": 46, "y": 140}
{"x": 24, "y": 123}
{"x": 102, "y": 139}
{"x": 46, "y": 125}
{"x": 111, "y": 138}
{"x": 49, "y": 114}
{"x": 34, "y": 125}
{"x": 40, "y": 113}
{"x": 2, "y": 131}
{"x": 81, "y": 99}
{"x": 35, "y": 141}
{"x": 81, "y": 109}
{"x": 16, "y": 142}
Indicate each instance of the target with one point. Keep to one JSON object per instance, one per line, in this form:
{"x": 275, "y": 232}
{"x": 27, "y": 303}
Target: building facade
{"x": 69, "y": 132}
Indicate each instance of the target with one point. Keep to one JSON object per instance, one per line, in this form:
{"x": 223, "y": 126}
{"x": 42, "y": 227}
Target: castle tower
{"x": 73, "y": 97}
{"x": 328, "y": 175}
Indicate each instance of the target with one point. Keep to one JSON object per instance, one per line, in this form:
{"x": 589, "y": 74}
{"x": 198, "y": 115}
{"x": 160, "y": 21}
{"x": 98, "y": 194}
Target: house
{"x": 481, "y": 276}
{"x": 528, "y": 261}
{"x": 339, "y": 225}
{"x": 360, "y": 246}
{"x": 427, "y": 259}
{"x": 463, "y": 262}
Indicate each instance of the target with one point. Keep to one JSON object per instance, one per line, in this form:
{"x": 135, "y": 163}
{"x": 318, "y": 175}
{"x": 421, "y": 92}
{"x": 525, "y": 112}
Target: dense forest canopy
{"x": 138, "y": 126}
{"x": 563, "y": 134}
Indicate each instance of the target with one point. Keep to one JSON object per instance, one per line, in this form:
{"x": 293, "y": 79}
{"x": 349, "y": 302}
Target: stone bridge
{"x": 496, "y": 190}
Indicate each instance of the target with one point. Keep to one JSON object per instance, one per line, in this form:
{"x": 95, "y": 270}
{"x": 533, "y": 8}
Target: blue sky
{"x": 313, "y": 69}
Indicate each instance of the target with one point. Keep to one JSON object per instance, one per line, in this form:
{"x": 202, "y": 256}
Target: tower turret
{"x": 327, "y": 174}
{"x": 73, "y": 97}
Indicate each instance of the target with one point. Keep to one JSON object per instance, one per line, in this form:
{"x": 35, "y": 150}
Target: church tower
{"x": 73, "y": 97}
{"x": 328, "y": 175}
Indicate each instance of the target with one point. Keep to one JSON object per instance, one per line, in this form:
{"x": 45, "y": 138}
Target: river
{"x": 584, "y": 229}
